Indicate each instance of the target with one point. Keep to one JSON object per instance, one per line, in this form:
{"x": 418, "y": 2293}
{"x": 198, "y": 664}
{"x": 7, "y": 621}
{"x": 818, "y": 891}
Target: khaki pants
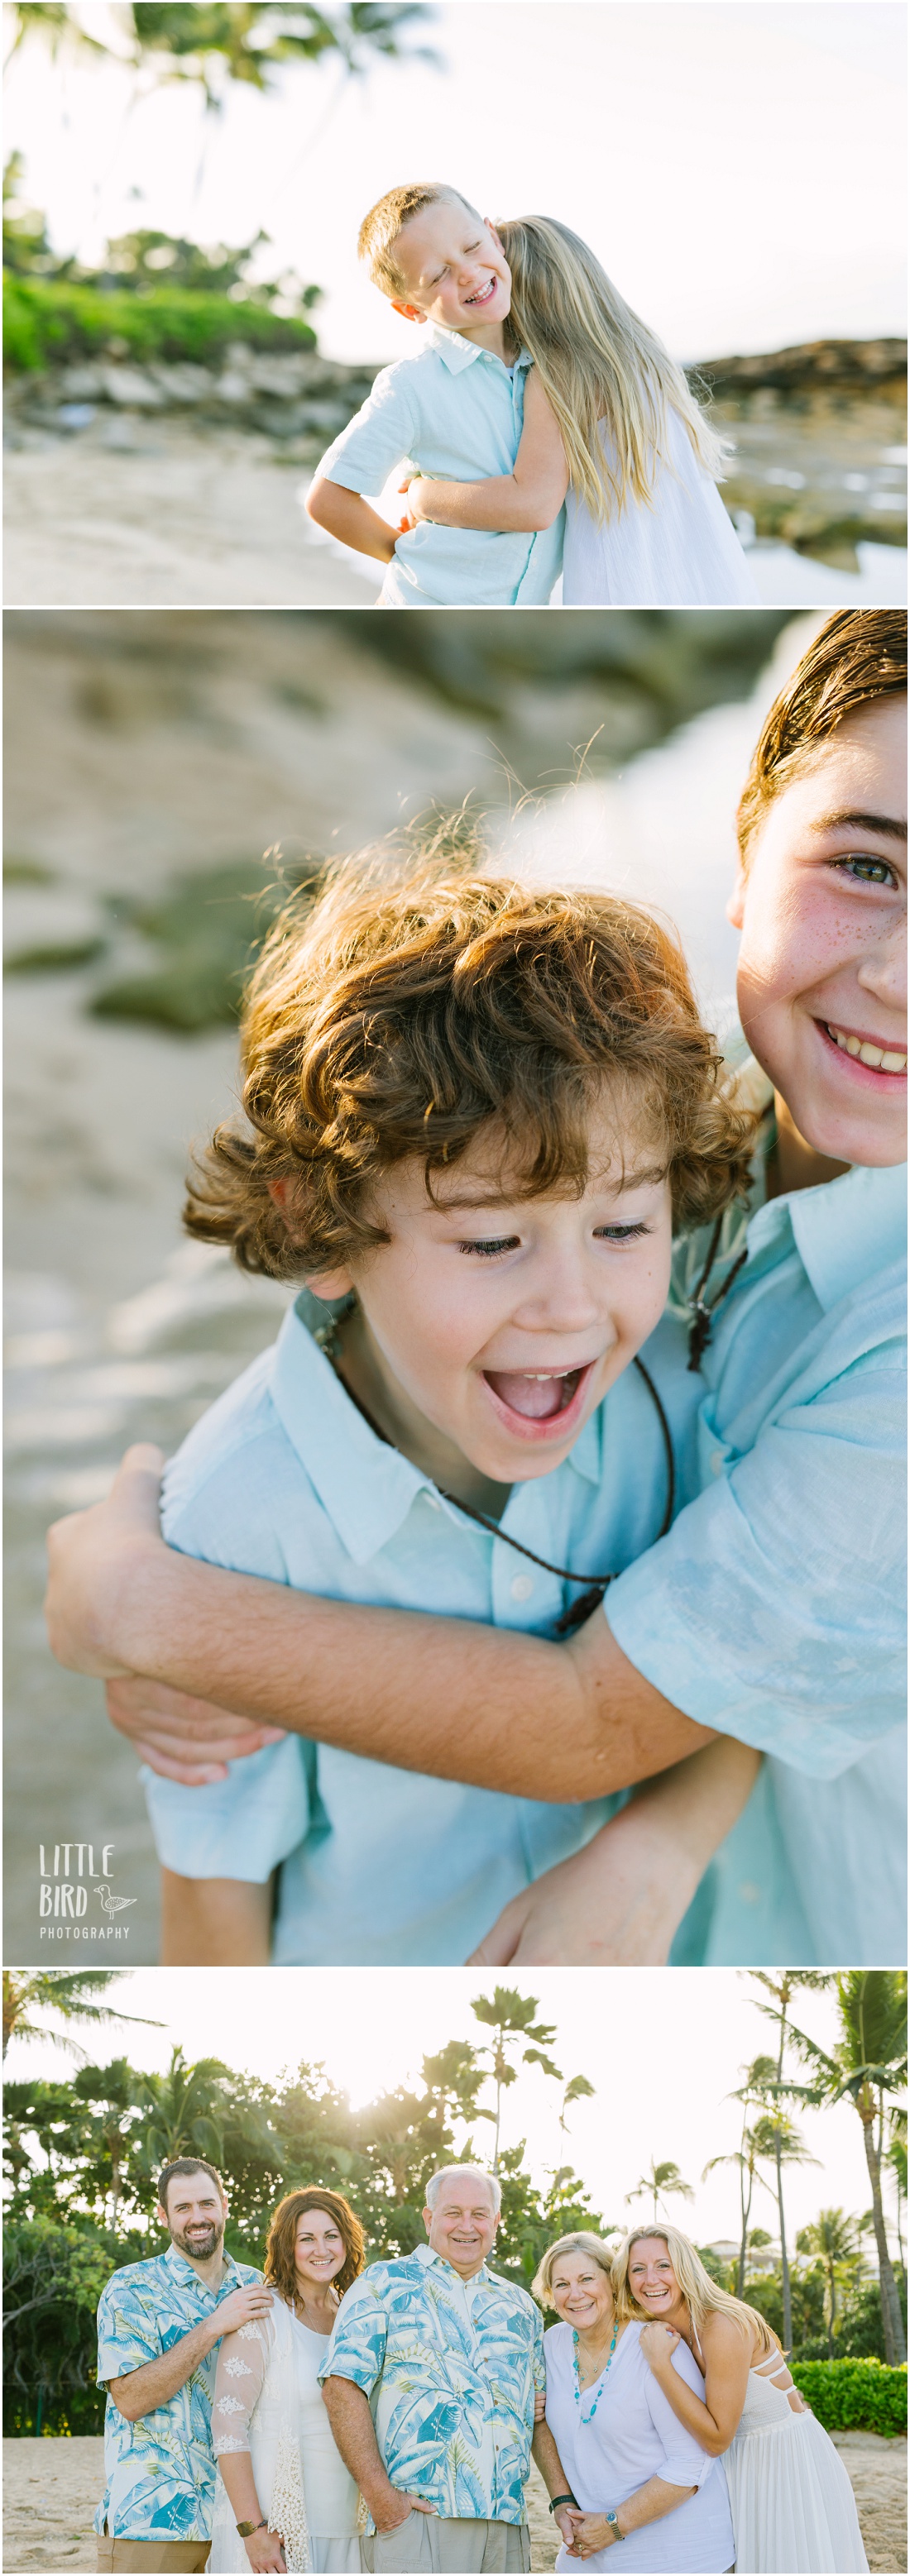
{"x": 432, "y": 2545}
{"x": 151, "y": 2555}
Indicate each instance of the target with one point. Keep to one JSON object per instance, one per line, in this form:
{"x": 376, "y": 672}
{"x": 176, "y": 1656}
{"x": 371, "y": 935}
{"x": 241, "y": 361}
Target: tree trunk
{"x": 784, "y": 2265}
{"x": 892, "y": 2321}
{"x": 745, "y": 2209}
{"x": 830, "y": 2311}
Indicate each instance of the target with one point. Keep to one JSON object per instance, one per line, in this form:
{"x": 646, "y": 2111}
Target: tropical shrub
{"x": 49, "y": 322}
{"x": 862, "y": 2394}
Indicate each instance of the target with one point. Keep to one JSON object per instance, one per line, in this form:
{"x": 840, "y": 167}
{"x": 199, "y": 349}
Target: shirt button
{"x": 522, "y": 1587}
{"x": 433, "y": 1500}
{"x": 717, "y": 1462}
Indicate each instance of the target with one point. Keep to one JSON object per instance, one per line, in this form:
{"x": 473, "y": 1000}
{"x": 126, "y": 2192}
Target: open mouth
{"x": 535, "y": 1403}
{"x": 877, "y": 1058}
{"x": 484, "y": 294}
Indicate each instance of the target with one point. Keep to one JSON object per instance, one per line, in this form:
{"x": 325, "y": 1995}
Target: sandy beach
{"x": 170, "y": 516}
{"x": 51, "y": 2489}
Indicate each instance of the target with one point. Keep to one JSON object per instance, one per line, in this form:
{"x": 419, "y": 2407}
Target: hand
{"x": 181, "y": 1738}
{"x": 93, "y": 1556}
{"x": 419, "y": 491}
{"x": 386, "y": 2515}
{"x": 658, "y": 2343}
{"x": 265, "y": 2551}
{"x": 564, "y": 2517}
{"x": 616, "y": 1903}
{"x": 407, "y": 520}
{"x": 592, "y": 2532}
{"x": 242, "y": 2308}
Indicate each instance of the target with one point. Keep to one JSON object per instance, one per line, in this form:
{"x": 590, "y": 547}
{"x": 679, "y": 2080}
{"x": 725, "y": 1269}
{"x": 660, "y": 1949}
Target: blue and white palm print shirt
{"x": 450, "y": 2368}
{"x": 159, "y": 2472}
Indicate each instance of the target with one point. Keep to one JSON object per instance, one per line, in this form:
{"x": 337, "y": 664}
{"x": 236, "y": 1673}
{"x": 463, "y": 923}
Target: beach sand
{"x": 51, "y": 2488}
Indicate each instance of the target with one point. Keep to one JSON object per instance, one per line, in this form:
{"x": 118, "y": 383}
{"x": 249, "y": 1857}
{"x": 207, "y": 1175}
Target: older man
{"x": 429, "y": 2382}
{"x": 159, "y": 2323}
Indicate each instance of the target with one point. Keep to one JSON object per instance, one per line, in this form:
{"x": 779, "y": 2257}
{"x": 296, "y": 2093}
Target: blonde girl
{"x": 611, "y": 426}
{"x": 790, "y": 2497}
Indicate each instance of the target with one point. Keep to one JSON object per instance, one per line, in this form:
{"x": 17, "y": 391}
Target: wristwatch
{"x": 611, "y": 2519}
{"x": 246, "y": 2529}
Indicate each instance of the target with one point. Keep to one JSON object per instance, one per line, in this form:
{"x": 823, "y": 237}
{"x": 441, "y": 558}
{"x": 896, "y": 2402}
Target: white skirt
{"x": 680, "y": 550}
{"x": 792, "y": 2503}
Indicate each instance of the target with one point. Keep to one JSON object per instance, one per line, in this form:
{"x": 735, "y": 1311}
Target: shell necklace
{"x": 588, "y": 2419}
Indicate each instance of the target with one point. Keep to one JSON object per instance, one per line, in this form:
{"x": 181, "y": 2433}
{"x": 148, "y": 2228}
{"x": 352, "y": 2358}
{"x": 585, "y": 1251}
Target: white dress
{"x": 632, "y": 2436}
{"x": 790, "y": 2496}
{"x": 268, "y": 2401}
{"x": 680, "y": 550}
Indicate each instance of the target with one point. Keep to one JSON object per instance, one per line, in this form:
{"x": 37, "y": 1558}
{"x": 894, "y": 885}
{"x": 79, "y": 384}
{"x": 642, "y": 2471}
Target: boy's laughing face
{"x": 822, "y": 969}
{"x": 453, "y": 272}
{"x": 490, "y": 1326}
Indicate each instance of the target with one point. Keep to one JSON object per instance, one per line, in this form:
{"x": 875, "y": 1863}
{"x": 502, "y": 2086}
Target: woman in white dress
{"x": 790, "y": 2496}
{"x": 284, "y": 2498}
{"x": 611, "y": 427}
{"x": 636, "y": 2475}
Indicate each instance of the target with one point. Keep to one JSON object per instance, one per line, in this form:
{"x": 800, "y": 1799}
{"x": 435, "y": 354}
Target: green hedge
{"x": 47, "y": 324}
{"x": 867, "y": 2395}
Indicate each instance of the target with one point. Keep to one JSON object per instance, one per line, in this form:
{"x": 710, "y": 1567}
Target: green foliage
{"x": 862, "y": 2394}
{"x": 48, "y": 322}
{"x": 54, "y": 2274}
{"x": 764, "y": 2291}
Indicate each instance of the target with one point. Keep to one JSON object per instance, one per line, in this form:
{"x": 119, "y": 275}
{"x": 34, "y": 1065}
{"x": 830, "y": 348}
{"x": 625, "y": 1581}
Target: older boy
{"x": 773, "y": 1610}
{"x": 456, "y": 409}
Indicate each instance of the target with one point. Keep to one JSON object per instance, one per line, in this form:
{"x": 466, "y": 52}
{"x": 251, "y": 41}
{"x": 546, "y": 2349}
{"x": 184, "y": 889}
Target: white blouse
{"x": 632, "y": 2436}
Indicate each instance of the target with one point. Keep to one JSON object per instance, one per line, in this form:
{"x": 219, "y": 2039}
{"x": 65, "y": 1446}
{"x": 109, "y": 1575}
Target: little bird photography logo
{"x": 68, "y": 1875}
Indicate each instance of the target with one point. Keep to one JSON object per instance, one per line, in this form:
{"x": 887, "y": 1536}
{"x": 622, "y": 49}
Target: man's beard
{"x": 200, "y": 2247}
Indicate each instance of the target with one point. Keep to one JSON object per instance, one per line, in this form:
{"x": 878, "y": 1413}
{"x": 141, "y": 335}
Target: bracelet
{"x": 563, "y": 2499}
{"x": 246, "y": 2529}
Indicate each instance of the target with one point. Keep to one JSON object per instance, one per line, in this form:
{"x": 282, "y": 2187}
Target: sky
{"x": 736, "y": 164}
{"x": 662, "y": 2047}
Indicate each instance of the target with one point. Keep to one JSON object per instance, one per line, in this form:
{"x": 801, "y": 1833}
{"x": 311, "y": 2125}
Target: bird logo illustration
{"x": 111, "y": 1904}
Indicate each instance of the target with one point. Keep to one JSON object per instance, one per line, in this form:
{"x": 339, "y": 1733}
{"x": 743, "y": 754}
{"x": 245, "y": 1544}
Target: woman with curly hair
{"x": 284, "y": 2498}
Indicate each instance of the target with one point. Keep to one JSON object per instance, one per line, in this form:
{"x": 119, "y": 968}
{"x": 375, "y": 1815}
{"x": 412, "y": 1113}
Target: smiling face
{"x": 454, "y": 272}
{"x": 652, "y": 2279}
{"x": 319, "y": 2250}
{"x": 581, "y": 2293}
{"x": 463, "y": 2225}
{"x": 490, "y": 1326}
{"x": 822, "y": 968}
{"x": 195, "y": 2215}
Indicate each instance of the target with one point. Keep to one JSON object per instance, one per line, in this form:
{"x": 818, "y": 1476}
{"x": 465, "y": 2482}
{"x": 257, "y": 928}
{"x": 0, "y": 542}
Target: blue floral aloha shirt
{"x": 160, "y": 2473}
{"x": 450, "y": 2368}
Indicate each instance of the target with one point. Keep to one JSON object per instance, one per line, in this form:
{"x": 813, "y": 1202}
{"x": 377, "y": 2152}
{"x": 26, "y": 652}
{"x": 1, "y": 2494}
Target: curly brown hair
{"x": 418, "y": 1004}
{"x": 858, "y": 655}
{"x": 280, "y": 2267}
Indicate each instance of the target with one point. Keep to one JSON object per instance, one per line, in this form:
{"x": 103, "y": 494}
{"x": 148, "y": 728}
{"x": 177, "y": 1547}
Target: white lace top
{"x": 274, "y": 2363}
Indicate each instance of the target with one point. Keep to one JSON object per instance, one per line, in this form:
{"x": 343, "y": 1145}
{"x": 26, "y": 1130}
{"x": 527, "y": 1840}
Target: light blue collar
{"x": 845, "y": 1231}
{"x": 431, "y": 2254}
{"x": 457, "y": 352}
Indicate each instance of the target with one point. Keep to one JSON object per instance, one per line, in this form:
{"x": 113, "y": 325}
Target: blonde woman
{"x": 611, "y": 426}
{"x": 284, "y": 2499}
{"x": 636, "y": 2475}
{"x": 790, "y": 2496}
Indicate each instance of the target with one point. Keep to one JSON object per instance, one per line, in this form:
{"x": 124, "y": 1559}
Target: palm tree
{"x": 896, "y": 2157}
{"x": 774, "y": 2087}
{"x": 867, "y": 2063}
{"x": 833, "y": 2237}
{"x": 187, "y": 2110}
{"x": 510, "y": 2016}
{"x": 111, "y": 2094}
{"x": 659, "y": 2181}
{"x": 70, "y": 1993}
{"x": 745, "y": 2158}
{"x": 246, "y": 42}
{"x": 577, "y": 2090}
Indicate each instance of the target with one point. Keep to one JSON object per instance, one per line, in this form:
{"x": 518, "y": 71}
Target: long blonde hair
{"x": 701, "y": 2294}
{"x": 597, "y": 364}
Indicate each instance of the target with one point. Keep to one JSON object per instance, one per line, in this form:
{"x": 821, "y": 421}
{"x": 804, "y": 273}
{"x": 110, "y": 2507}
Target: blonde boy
{"x": 454, "y": 410}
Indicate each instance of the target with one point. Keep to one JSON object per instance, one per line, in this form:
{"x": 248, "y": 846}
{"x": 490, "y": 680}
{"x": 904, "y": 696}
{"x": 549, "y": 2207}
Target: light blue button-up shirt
{"x": 160, "y": 2471}
{"x": 451, "y": 2368}
{"x": 285, "y": 1478}
{"x": 774, "y": 1609}
{"x": 455, "y": 412}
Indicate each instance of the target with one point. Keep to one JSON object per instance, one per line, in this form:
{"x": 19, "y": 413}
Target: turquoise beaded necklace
{"x": 588, "y": 2419}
